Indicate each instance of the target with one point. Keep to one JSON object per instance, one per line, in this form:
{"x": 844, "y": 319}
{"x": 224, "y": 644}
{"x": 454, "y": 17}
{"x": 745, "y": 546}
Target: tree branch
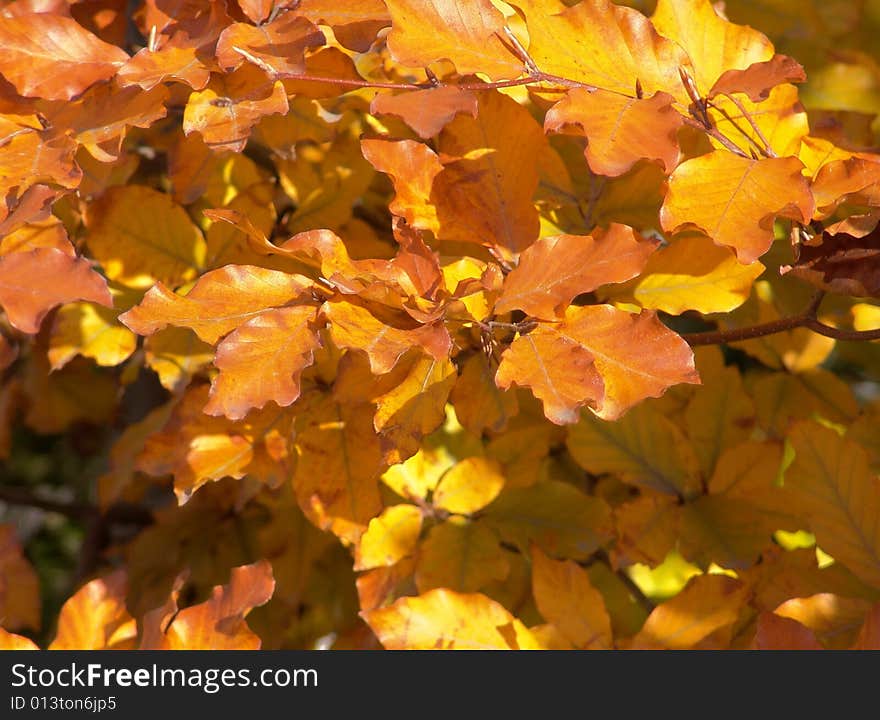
{"x": 807, "y": 319}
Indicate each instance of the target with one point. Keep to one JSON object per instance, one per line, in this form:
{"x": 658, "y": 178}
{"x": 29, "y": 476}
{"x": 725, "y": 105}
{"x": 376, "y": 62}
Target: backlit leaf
{"x": 446, "y": 620}
{"x": 620, "y": 130}
{"x": 96, "y": 618}
{"x": 734, "y": 200}
{"x": 54, "y": 57}
{"x": 389, "y": 537}
{"x": 140, "y": 236}
{"x": 598, "y": 357}
{"x": 553, "y": 270}
{"x": 261, "y": 361}
{"x": 220, "y": 301}
{"x": 464, "y": 31}
{"x": 276, "y": 47}
{"x": 26, "y": 298}
{"x": 469, "y": 485}
{"x": 426, "y": 111}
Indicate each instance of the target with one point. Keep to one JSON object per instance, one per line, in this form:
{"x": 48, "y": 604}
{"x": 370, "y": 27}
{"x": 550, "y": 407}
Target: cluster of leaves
{"x": 382, "y": 314}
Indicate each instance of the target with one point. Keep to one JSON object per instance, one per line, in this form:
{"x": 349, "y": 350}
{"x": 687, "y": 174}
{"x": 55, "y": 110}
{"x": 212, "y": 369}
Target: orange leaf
{"x": 426, "y": 111}
{"x": 553, "y": 270}
{"x": 713, "y": 44}
{"x": 148, "y": 68}
{"x": 566, "y": 597}
{"x": 384, "y": 339}
{"x": 95, "y": 618}
{"x": 226, "y": 110}
{"x": 277, "y": 47}
{"x": 463, "y": 31}
{"x": 219, "y": 302}
{"x": 759, "y": 78}
{"x": 31, "y": 157}
{"x": 734, "y": 200}
{"x": 446, "y": 620}
{"x": 19, "y": 585}
{"x": 355, "y": 23}
{"x": 218, "y": 623}
{"x": 261, "y": 361}
{"x": 10, "y": 641}
{"x": 706, "y": 604}
{"x": 257, "y": 10}
{"x": 27, "y": 297}
{"x": 869, "y": 635}
{"x": 620, "y": 130}
{"x": 54, "y": 57}
{"x": 782, "y": 633}
{"x": 412, "y": 166}
{"x": 484, "y": 193}
{"x": 598, "y": 357}
{"x": 602, "y": 44}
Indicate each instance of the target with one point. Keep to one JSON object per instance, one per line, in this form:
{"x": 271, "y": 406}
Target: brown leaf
{"x": 841, "y": 264}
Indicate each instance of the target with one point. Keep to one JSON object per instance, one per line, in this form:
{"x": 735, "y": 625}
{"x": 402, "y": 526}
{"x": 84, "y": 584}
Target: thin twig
{"x": 748, "y": 116}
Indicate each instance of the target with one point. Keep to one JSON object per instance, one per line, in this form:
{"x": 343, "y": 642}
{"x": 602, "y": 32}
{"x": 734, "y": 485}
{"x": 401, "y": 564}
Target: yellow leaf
{"x": 140, "y": 236}
{"x": 706, "y": 604}
{"x": 389, "y": 538}
{"x": 176, "y": 354}
{"x": 92, "y": 331}
{"x": 734, "y": 200}
{"x": 469, "y": 486}
{"x": 605, "y": 45}
{"x": 446, "y": 620}
{"x": 643, "y": 447}
{"x": 467, "y": 32}
{"x": 691, "y": 273}
{"x": 566, "y": 597}
{"x": 460, "y": 555}
{"x": 95, "y": 618}
{"x": 832, "y": 487}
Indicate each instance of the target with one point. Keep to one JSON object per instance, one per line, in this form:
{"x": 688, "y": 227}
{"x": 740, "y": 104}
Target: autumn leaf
{"x": 261, "y": 361}
{"x": 691, "y": 273}
{"x": 603, "y": 45}
{"x": 219, "y": 622}
{"x": 566, "y": 597}
{"x": 708, "y": 603}
{"x": 220, "y": 301}
{"x": 598, "y": 357}
{"x": 27, "y": 303}
{"x": 781, "y": 633}
{"x": 446, "y": 620}
{"x": 831, "y": 486}
{"x": 466, "y": 32}
{"x": 54, "y": 57}
{"x": 841, "y": 264}
{"x": 389, "y": 537}
{"x": 141, "y": 236}
{"x": 355, "y": 24}
{"x": 759, "y": 78}
{"x": 92, "y": 331}
{"x": 19, "y": 585}
{"x": 460, "y": 555}
{"x": 555, "y": 269}
{"x": 620, "y": 130}
{"x": 228, "y": 108}
{"x": 96, "y": 618}
{"x": 10, "y": 641}
{"x": 738, "y": 199}
{"x": 276, "y": 47}
{"x": 426, "y": 111}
